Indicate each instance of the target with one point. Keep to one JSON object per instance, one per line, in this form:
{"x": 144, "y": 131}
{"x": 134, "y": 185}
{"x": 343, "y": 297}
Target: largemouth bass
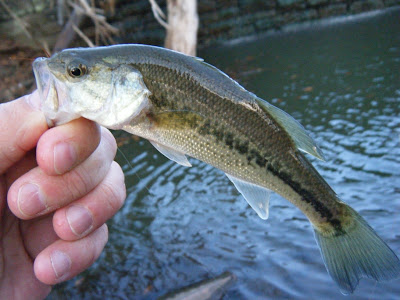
{"x": 185, "y": 106}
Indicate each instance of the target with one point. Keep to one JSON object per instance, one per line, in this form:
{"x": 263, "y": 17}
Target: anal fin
{"x": 172, "y": 154}
{"x": 256, "y": 196}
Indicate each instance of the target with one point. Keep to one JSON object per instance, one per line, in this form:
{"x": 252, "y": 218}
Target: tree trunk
{"x": 183, "y": 23}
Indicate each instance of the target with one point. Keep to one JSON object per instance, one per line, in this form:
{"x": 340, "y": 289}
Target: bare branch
{"x": 158, "y": 14}
{"x": 46, "y": 48}
{"x": 20, "y": 22}
{"x": 60, "y": 12}
{"x": 68, "y": 33}
{"x": 103, "y": 30}
{"x": 83, "y": 36}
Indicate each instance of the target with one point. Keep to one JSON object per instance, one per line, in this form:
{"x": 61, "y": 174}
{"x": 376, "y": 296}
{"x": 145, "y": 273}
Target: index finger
{"x": 62, "y": 148}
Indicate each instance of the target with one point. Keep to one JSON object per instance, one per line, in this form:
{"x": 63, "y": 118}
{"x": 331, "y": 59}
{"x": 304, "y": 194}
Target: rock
{"x": 251, "y": 6}
{"x": 392, "y": 2}
{"x": 264, "y": 20}
{"x": 366, "y": 5}
{"x": 317, "y": 2}
{"x": 333, "y": 10}
{"x": 297, "y": 17}
{"x": 291, "y": 3}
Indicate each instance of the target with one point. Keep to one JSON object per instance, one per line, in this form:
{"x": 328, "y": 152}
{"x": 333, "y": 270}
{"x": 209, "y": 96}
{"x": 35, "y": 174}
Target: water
{"x": 181, "y": 225}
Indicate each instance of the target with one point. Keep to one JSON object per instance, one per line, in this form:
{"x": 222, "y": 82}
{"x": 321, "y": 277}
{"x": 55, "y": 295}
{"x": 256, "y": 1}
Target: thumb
{"x": 21, "y": 125}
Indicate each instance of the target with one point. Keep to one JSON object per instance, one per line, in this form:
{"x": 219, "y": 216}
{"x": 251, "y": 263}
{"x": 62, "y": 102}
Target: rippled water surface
{"x": 181, "y": 225}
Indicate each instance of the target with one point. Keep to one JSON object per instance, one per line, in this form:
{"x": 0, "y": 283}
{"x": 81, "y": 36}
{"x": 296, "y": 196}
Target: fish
{"x": 209, "y": 289}
{"x": 187, "y": 107}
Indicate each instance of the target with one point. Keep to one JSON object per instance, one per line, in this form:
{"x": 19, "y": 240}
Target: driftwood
{"x": 183, "y": 23}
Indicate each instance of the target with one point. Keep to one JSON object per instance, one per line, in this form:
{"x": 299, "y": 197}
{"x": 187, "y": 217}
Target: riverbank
{"x": 220, "y": 22}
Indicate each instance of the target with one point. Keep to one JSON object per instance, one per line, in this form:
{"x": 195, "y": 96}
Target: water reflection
{"x": 181, "y": 225}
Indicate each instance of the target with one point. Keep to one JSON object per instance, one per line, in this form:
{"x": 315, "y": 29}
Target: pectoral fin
{"x": 296, "y": 131}
{"x": 256, "y": 196}
{"x": 172, "y": 154}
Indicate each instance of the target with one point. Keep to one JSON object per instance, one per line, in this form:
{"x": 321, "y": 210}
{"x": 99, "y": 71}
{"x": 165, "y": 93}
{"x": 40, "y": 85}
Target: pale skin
{"x": 58, "y": 187}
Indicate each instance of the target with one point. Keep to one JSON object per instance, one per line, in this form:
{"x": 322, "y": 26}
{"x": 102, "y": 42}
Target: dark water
{"x": 181, "y": 225}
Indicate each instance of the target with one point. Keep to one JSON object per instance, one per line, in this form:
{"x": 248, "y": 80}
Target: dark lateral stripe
{"x": 308, "y": 197}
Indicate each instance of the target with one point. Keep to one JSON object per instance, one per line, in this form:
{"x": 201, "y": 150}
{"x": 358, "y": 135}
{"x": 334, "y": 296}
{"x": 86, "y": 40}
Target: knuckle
{"x": 112, "y": 196}
{"x": 104, "y": 233}
{"x": 95, "y": 131}
{"x": 78, "y": 182}
{"x": 100, "y": 241}
{"x": 96, "y": 242}
{"x": 92, "y": 134}
{"x": 8, "y": 154}
{"x": 114, "y": 190}
{"x": 110, "y": 140}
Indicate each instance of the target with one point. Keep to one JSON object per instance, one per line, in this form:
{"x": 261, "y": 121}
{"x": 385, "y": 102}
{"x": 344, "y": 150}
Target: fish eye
{"x": 77, "y": 70}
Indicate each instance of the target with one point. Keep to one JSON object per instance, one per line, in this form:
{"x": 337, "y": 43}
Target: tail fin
{"x": 358, "y": 253}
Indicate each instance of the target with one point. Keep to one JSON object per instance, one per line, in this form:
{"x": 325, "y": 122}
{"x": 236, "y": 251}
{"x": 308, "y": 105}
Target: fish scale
{"x": 185, "y": 106}
{"x": 230, "y": 118}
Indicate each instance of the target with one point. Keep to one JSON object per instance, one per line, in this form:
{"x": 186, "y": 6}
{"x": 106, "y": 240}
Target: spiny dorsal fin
{"x": 296, "y": 131}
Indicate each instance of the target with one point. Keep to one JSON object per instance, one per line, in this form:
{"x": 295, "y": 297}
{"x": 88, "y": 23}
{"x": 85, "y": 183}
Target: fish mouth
{"x": 42, "y": 76}
{"x": 54, "y": 98}
{"x": 45, "y": 84}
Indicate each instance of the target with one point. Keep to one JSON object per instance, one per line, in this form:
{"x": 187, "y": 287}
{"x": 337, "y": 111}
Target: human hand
{"x": 58, "y": 186}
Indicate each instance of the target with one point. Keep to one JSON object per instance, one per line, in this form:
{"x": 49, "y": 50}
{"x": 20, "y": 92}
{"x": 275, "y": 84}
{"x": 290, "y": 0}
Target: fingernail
{"x": 79, "y": 219}
{"x": 64, "y": 157}
{"x": 30, "y": 200}
{"x": 61, "y": 263}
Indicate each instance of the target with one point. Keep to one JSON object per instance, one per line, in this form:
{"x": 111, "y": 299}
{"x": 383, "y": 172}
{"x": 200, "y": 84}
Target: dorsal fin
{"x": 296, "y": 131}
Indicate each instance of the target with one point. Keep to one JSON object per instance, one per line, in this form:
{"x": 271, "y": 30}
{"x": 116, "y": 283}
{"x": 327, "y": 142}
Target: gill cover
{"x": 126, "y": 99}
